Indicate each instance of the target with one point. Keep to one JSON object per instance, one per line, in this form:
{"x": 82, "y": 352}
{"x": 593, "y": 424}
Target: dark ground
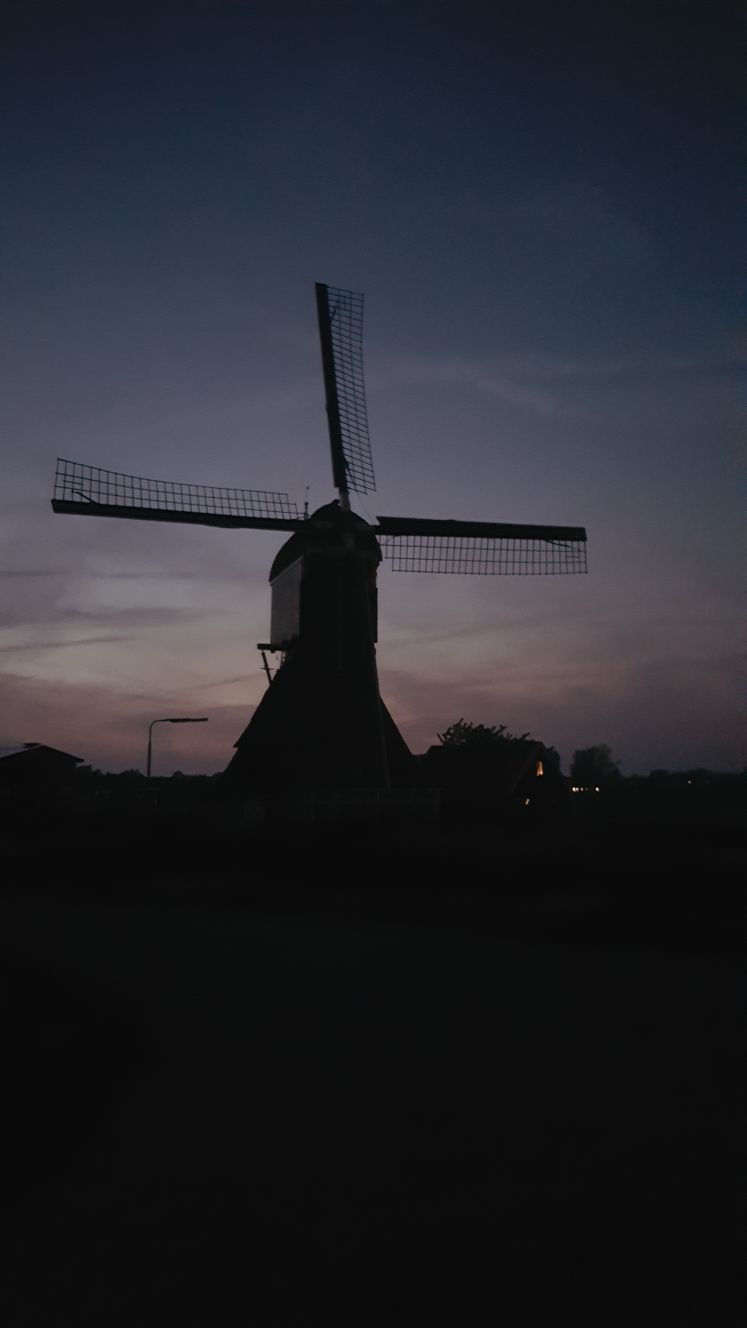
{"x": 495, "y": 1073}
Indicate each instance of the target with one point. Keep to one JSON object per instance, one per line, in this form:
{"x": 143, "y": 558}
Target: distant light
{"x": 526, "y": 802}
{"x": 596, "y": 790}
{"x": 540, "y": 770}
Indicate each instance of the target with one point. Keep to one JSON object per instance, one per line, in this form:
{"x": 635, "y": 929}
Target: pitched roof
{"x": 26, "y": 748}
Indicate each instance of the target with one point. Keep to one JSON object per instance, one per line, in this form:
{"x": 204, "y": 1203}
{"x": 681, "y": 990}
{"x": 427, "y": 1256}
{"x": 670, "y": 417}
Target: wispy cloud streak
{"x": 33, "y": 646}
{"x": 545, "y": 384}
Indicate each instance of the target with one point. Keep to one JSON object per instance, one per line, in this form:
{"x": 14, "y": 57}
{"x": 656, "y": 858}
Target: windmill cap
{"x": 323, "y": 533}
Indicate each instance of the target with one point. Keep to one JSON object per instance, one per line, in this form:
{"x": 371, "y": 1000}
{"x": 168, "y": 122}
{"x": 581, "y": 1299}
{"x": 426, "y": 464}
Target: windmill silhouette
{"x": 321, "y": 721}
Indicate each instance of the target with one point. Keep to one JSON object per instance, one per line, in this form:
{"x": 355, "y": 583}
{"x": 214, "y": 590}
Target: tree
{"x": 480, "y": 738}
{"x": 464, "y": 734}
{"x": 593, "y": 766}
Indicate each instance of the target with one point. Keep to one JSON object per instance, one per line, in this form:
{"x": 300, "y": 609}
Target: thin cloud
{"x": 126, "y": 618}
{"x": 18, "y": 573}
{"x": 229, "y": 682}
{"x": 544, "y": 384}
{"x": 31, "y": 646}
{"x": 135, "y": 616}
{"x": 175, "y": 575}
{"x": 488, "y": 377}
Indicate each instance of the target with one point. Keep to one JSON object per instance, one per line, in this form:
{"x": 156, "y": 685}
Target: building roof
{"x": 499, "y": 765}
{"x": 27, "y": 748}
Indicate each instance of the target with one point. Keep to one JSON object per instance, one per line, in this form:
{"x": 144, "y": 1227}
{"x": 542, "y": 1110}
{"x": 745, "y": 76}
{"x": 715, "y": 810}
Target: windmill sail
{"x": 340, "y": 314}
{"x": 481, "y": 548}
{"x": 90, "y": 491}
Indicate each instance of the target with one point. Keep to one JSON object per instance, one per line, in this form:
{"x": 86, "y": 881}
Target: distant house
{"x": 494, "y": 777}
{"x": 32, "y": 768}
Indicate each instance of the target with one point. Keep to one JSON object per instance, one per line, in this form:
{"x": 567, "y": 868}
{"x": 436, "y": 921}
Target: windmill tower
{"x": 321, "y": 721}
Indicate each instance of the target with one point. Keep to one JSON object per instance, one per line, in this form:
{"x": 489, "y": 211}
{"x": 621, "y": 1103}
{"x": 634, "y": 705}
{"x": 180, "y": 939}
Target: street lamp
{"x": 203, "y": 720}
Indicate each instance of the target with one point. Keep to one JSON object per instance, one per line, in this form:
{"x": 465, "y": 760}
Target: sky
{"x": 538, "y": 202}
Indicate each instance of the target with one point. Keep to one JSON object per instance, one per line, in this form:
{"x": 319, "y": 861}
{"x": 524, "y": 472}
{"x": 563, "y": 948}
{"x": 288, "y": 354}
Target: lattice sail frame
{"x": 483, "y": 556}
{"x": 346, "y": 330}
{"x": 76, "y": 482}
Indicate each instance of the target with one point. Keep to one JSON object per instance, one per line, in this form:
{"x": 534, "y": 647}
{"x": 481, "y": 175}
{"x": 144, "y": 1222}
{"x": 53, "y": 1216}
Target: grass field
{"x": 248, "y": 1099}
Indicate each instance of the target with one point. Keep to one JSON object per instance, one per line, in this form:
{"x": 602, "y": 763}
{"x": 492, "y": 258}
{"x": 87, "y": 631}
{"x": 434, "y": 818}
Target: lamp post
{"x": 177, "y": 720}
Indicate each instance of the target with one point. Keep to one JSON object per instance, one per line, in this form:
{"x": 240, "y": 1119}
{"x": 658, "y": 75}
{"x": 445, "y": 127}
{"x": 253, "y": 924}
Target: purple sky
{"x": 540, "y": 209}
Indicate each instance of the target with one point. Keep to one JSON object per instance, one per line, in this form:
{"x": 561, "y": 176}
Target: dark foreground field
{"x": 392, "y": 1080}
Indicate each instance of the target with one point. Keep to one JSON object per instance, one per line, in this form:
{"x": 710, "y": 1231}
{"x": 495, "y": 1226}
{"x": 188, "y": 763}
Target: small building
{"x": 31, "y": 769}
{"x": 514, "y": 773}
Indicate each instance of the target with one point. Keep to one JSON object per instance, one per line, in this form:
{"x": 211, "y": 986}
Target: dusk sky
{"x": 538, "y": 201}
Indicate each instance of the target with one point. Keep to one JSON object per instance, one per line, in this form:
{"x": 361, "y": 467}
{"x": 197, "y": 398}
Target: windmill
{"x": 321, "y": 721}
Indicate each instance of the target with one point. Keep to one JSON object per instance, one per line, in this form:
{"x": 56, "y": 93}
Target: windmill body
{"x": 322, "y": 722}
